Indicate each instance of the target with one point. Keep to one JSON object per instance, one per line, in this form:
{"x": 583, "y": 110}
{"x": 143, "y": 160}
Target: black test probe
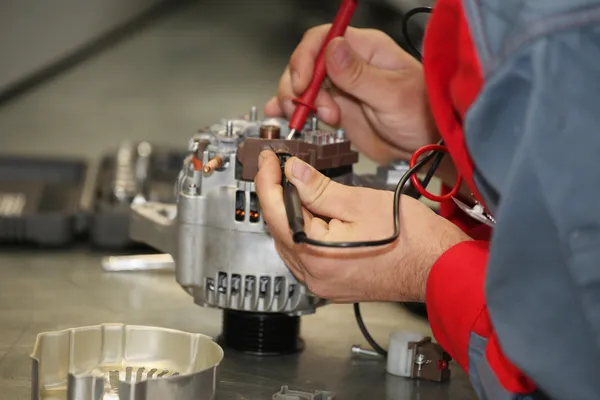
{"x": 291, "y": 199}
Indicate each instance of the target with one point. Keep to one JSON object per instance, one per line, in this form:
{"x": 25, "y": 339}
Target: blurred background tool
{"x": 142, "y": 262}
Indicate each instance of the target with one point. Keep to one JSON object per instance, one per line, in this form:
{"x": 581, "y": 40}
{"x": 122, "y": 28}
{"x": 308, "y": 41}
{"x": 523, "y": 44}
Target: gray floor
{"x": 184, "y": 72}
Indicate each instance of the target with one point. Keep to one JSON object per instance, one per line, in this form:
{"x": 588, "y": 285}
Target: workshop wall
{"x": 204, "y": 60}
{"x": 34, "y": 33}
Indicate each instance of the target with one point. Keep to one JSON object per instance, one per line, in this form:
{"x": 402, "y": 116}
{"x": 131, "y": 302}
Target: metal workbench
{"x": 42, "y": 291}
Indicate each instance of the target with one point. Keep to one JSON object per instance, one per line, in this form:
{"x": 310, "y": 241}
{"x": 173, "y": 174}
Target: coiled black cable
{"x": 405, "y": 20}
{"x": 365, "y": 332}
{"x": 301, "y": 237}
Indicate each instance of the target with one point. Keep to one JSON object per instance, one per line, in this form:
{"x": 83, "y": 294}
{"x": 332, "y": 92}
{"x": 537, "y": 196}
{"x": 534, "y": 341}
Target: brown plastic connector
{"x": 430, "y": 361}
{"x": 321, "y": 156}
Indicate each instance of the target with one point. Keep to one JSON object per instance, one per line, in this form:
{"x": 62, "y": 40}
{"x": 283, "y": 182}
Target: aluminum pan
{"x": 125, "y": 362}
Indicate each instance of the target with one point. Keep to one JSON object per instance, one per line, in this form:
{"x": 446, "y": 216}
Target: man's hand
{"x": 334, "y": 212}
{"x": 379, "y": 96}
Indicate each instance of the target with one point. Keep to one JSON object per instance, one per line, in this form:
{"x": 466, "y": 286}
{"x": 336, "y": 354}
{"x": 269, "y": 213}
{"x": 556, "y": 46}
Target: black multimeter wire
{"x": 405, "y": 19}
{"x": 365, "y": 332}
{"x": 300, "y": 237}
{"x": 436, "y": 162}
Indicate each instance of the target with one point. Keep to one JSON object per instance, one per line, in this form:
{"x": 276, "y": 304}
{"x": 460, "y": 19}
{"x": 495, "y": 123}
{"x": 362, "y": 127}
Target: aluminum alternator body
{"x": 229, "y": 263}
{"x": 224, "y": 256}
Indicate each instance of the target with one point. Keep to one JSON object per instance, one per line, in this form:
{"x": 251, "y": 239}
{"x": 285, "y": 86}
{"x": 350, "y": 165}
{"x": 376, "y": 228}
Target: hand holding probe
{"x": 305, "y": 103}
{"x": 292, "y": 202}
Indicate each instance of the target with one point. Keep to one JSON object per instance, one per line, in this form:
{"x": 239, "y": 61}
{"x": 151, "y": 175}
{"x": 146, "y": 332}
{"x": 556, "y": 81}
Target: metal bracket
{"x": 154, "y": 224}
{"x": 430, "y": 361}
{"x": 286, "y": 394}
{"x": 477, "y": 212}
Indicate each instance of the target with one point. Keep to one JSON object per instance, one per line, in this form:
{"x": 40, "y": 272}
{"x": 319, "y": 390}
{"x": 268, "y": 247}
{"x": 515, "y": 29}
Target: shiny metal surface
{"x": 140, "y": 262}
{"x": 124, "y": 362}
{"x": 47, "y": 291}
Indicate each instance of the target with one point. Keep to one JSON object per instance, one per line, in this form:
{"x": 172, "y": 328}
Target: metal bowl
{"x": 116, "y": 361}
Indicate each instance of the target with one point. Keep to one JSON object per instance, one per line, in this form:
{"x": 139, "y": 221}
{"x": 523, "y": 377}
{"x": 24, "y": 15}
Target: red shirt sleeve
{"x": 456, "y": 306}
{"x": 455, "y": 295}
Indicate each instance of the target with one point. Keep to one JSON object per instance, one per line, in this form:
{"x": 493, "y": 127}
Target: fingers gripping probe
{"x": 292, "y": 202}
{"x": 305, "y": 103}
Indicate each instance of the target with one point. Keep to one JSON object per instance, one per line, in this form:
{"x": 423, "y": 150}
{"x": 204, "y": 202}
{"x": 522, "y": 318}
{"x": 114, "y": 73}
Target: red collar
{"x": 453, "y": 78}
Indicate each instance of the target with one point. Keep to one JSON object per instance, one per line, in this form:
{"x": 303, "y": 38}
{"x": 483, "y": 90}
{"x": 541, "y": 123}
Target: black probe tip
{"x": 299, "y": 237}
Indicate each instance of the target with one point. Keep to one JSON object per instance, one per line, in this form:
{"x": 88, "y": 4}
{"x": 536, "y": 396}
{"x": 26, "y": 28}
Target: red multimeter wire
{"x": 417, "y": 183}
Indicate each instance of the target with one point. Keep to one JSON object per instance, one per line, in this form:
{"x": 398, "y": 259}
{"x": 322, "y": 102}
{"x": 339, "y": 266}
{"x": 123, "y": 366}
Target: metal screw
{"x": 359, "y": 351}
{"x": 314, "y": 123}
{"x": 420, "y": 361}
{"x": 191, "y": 190}
{"x": 253, "y": 114}
{"x": 229, "y": 131}
{"x": 340, "y": 135}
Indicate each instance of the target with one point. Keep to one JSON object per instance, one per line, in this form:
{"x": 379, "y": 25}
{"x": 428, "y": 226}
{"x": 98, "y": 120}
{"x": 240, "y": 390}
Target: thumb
{"x": 319, "y": 194}
{"x": 354, "y": 75}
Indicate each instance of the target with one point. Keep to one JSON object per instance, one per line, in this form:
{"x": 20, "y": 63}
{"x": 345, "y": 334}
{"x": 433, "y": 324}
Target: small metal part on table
{"x": 412, "y": 355}
{"x": 116, "y": 361}
{"x": 142, "y": 262}
{"x": 359, "y": 351}
{"x": 286, "y": 394}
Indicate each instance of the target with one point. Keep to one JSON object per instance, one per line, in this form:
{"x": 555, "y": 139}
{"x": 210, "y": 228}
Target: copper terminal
{"x": 270, "y": 132}
{"x": 197, "y": 163}
{"x": 215, "y": 163}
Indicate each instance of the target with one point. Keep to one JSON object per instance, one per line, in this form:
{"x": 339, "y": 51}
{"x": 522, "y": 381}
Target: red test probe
{"x": 305, "y": 104}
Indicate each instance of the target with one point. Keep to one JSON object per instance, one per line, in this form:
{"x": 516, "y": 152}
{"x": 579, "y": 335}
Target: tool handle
{"x": 293, "y": 209}
{"x": 305, "y": 104}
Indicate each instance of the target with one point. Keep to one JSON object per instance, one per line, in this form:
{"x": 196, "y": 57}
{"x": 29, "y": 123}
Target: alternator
{"x": 224, "y": 255}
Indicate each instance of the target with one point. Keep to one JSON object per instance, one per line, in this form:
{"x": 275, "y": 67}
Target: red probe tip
{"x": 305, "y": 104}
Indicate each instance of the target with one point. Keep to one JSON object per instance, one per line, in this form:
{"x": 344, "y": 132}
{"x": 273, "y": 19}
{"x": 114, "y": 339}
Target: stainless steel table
{"x": 42, "y": 291}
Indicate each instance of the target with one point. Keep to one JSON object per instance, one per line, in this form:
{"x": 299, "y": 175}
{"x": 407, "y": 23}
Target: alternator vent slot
{"x": 240, "y": 205}
{"x": 254, "y": 208}
{"x": 249, "y": 292}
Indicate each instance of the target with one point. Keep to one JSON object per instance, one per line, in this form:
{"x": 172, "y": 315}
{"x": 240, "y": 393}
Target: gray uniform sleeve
{"x": 534, "y": 134}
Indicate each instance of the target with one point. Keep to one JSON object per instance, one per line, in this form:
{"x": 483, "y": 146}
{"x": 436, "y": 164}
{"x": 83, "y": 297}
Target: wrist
{"x": 448, "y": 237}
